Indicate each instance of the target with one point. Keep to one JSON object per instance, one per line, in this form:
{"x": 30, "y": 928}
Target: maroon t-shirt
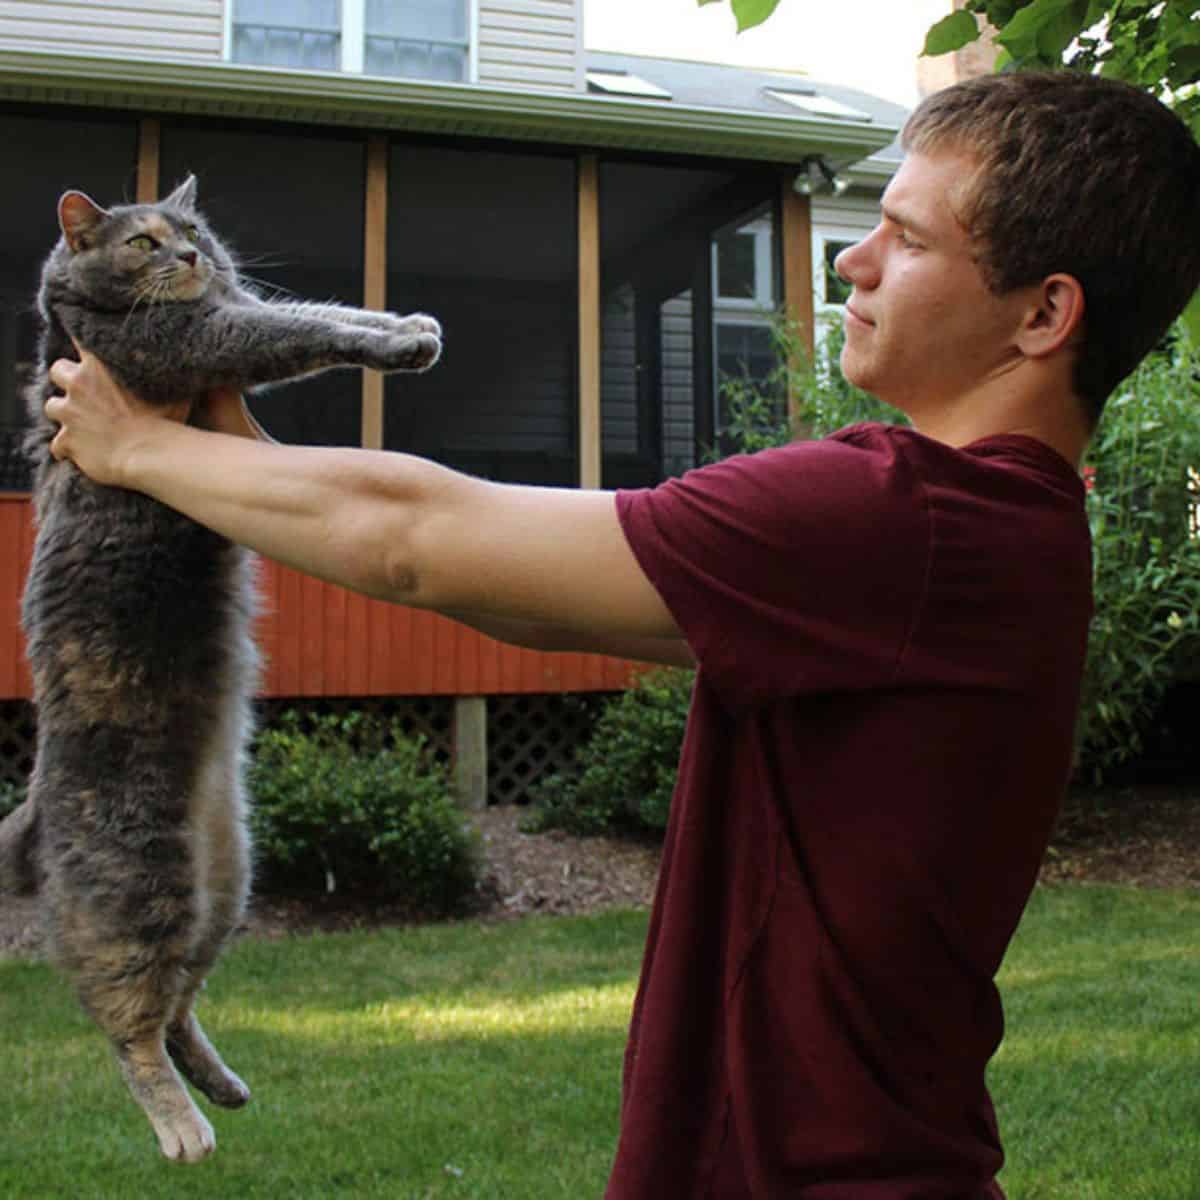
{"x": 890, "y": 634}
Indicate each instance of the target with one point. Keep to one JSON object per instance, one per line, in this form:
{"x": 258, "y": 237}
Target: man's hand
{"x": 225, "y": 411}
{"x": 101, "y": 421}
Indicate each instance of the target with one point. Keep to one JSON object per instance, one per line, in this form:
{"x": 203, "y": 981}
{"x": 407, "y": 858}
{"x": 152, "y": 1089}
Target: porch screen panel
{"x": 291, "y": 206}
{"x": 45, "y": 155}
{"x": 485, "y": 241}
{"x": 657, "y": 375}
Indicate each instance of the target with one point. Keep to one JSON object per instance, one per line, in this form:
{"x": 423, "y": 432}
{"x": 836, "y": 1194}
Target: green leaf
{"x": 951, "y": 33}
{"x": 752, "y": 12}
{"x": 1184, "y": 65}
{"x": 1040, "y": 32}
{"x": 1191, "y": 322}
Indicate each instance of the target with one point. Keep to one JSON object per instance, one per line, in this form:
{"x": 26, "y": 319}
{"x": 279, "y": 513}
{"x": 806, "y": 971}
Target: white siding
{"x": 178, "y": 28}
{"x": 531, "y": 43}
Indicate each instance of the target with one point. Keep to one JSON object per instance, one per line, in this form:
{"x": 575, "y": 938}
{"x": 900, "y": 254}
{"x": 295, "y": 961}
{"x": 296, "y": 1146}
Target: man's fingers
{"x": 58, "y": 449}
{"x": 63, "y": 372}
{"x": 55, "y": 407}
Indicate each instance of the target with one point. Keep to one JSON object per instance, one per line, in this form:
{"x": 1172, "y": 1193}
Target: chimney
{"x": 977, "y": 58}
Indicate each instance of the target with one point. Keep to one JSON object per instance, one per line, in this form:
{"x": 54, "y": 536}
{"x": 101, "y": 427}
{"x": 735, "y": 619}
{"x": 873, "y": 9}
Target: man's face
{"x": 923, "y": 331}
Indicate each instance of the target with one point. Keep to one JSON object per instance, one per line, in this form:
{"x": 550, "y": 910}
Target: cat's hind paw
{"x": 187, "y": 1138}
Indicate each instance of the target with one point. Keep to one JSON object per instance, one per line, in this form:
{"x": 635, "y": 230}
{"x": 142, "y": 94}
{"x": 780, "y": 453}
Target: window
{"x": 413, "y": 39}
{"x": 288, "y": 33}
{"x": 834, "y": 289}
{"x": 742, "y": 266}
{"x": 421, "y": 39}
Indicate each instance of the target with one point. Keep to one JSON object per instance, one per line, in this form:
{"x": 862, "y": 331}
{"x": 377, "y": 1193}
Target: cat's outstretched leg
{"x": 407, "y": 324}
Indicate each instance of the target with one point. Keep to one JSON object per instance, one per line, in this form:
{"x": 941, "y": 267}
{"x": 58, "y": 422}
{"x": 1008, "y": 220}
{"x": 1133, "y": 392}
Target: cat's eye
{"x": 191, "y": 233}
{"x": 143, "y": 242}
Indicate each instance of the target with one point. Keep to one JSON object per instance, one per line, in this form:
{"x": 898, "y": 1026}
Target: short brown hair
{"x": 1080, "y": 175}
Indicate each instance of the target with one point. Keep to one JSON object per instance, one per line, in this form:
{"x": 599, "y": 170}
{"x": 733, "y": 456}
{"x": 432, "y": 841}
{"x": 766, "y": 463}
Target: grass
{"x": 484, "y": 1061}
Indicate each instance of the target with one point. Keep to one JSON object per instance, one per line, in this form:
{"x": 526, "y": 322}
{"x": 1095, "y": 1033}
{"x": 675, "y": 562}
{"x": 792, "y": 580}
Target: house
{"x": 598, "y": 233}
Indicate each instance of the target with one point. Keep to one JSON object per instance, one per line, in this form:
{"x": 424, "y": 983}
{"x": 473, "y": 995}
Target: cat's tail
{"x": 18, "y": 851}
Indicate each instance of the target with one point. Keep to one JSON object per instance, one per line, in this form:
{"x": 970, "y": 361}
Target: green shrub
{"x": 1143, "y": 469}
{"x": 349, "y": 802}
{"x": 623, "y": 775}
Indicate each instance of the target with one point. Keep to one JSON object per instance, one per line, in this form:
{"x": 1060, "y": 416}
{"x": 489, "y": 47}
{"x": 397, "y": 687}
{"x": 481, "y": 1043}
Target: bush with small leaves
{"x": 623, "y": 776}
{"x": 351, "y": 803}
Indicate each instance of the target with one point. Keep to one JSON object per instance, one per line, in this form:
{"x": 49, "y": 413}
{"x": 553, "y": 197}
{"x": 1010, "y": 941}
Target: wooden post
{"x": 470, "y": 751}
{"x": 374, "y": 279}
{"x": 588, "y": 204}
{"x": 795, "y": 242}
{"x": 149, "y": 140}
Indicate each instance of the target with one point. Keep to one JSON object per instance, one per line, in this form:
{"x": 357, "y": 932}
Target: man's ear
{"x": 1054, "y": 318}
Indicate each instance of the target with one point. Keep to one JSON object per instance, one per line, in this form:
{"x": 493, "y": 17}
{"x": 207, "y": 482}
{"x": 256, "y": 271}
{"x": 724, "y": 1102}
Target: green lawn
{"x": 484, "y": 1061}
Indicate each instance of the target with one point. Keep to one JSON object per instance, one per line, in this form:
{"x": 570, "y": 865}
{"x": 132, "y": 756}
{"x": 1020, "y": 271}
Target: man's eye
{"x": 143, "y": 242}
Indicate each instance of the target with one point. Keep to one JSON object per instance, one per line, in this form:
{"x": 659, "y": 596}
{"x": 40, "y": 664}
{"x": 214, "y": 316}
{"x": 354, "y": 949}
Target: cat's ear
{"x": 78, "y": 216}
{"x": 184, "y": 196}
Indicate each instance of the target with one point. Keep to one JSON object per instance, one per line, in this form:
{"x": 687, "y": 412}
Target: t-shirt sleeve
{"x": 790, "y": 571}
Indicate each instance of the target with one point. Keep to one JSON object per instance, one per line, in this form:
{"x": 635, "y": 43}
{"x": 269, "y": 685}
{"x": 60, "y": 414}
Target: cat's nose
{"x": 189, "y": 257}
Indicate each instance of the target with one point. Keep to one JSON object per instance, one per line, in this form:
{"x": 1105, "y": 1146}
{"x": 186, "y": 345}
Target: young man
{"x": 889, "y": 626}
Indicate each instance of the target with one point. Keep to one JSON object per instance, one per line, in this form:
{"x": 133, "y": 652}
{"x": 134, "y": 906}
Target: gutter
{"x": 159, "y": 86}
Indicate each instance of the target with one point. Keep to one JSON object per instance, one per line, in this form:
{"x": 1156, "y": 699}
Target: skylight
{"x": 818, "y": 105}
{"x": 622, "y": 83}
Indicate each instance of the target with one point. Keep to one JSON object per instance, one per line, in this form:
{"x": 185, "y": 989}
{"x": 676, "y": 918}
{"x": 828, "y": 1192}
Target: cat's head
{"x": 139, "y": 253}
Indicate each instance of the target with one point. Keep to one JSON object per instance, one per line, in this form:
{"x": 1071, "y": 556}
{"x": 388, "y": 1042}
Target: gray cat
{"x": 137, "y": 623}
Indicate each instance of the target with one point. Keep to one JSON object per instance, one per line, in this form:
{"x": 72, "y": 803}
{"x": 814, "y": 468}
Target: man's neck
{"x": 1042, "y": 409}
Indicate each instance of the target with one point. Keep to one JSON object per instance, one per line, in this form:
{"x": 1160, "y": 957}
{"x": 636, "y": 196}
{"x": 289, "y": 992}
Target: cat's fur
{"x": 137, "y": 623}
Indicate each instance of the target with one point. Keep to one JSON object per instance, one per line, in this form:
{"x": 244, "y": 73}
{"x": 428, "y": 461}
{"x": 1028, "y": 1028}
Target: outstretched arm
{"x": 389, "y": 525}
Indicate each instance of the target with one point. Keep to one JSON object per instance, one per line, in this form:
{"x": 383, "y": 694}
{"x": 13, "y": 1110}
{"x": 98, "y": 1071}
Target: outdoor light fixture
{"x": 816, "y": 175}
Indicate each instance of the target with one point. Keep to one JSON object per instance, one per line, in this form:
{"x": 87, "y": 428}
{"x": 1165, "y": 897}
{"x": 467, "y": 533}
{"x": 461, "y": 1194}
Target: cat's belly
{"x": 131, "y": 609}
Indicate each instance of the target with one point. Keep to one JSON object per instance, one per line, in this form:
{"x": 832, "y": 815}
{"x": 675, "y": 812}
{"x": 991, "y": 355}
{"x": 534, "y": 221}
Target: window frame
{"x": 748, "y": 308}
{"x": 823, "y": 236}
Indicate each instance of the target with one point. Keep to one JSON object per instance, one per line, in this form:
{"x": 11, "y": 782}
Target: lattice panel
{"x": 429, "y": 716}
{"x": 18, "y": 734}
{"x": 530, "y": 737}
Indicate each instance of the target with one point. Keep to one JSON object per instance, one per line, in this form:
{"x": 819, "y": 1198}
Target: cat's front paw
{"x": 408, "y": 352}
{"x": 416, "y": 323}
